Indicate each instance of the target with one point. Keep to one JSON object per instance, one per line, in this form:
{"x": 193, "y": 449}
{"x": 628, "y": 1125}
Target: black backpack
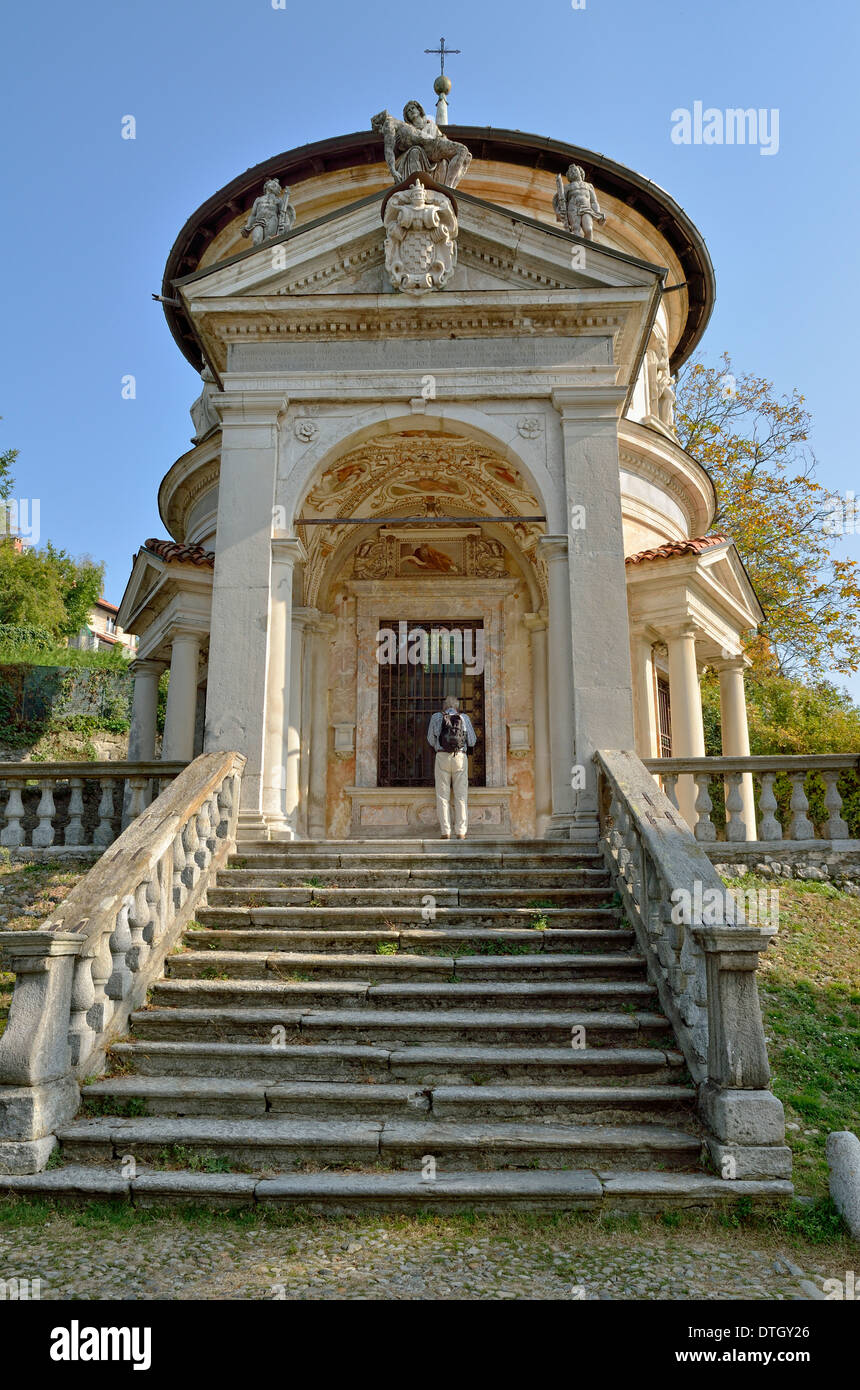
{"x": 452, "y": 735}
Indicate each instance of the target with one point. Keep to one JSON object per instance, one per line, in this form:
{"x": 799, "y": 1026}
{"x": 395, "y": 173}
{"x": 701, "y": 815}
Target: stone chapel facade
{"x": 445, "y": 412}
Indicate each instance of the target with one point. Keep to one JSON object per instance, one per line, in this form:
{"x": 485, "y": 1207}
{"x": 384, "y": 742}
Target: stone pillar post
{"x": 292, "y": 797}
{"x": 559, "y": 685}
{"x": 735, "y": 730}
{"x": 144, "y": 710}
{"x": 318, "y": 776}
{"x": 688, "y": 733}
{"x": 642, "y": 661}
{"x": 178, "y": 743}
{"x": 238, "y": 652}
{"x": 536, "y": 624}
{"x": 602, "y": 683}
{"x": 286, "y": 551}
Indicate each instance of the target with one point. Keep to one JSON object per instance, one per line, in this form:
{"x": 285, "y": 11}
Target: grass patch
{"x": 809, "y": 985}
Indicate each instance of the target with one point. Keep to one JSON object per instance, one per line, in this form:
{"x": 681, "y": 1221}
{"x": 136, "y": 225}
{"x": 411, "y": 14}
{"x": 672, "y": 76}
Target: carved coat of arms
{"x": 420, "y": 239}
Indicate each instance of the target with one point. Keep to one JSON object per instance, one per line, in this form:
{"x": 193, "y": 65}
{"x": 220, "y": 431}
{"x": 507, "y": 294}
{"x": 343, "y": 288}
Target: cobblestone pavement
{"x": 382, "y": 1258}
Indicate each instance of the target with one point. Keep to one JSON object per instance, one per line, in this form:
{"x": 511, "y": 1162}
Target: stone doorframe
{"x": 412, "y": 600}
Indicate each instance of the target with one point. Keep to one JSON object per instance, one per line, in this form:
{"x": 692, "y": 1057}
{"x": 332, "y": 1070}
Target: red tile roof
{"x": 172, "y": 553}
{"x": 671, "y": 549}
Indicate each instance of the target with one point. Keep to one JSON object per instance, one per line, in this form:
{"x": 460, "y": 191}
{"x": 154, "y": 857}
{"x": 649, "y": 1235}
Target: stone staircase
{"x": 404, "y": 1024}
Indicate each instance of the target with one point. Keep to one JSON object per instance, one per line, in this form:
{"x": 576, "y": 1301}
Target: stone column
{"x": 642, "y": 662}
{"x": 559, "y": 685}
{"x": 286, "y": 551}
{"x": 318, "y": 776}
{"x": 292, "y": 797}
{"x": 536, "y": 624}
{"x": 178, "y": 743}
{"x": 144, "y": 711}
{"x": 688, "y": 734}
{"x": 602, "y": 683}
{"x": 238, "y": 652}
{"x": 735, "y": 730}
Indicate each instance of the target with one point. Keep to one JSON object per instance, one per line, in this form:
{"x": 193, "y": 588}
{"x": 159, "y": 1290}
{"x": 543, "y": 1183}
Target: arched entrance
{"x": 423, "y": 547}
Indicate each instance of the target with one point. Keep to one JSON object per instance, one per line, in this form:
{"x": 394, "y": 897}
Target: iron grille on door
{"x": 664, "y": 711}
{"x": 410, "y": 694}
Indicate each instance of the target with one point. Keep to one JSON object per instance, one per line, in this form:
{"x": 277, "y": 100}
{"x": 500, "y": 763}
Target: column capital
{"x": 145, "y": 666}
{"x": 673, "y": 631}
{"x": 738, "y": 663}
{"x": 288, "y": 550}
{"x": 185, "y": 634}
{"x": 238, "y": 408}
{"x": 582, "y": 403}
{"x": 536, "y": 622}
{"x": 553, "y": 548}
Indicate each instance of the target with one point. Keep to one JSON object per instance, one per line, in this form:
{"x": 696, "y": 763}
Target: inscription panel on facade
{"x": 421, "y": 354}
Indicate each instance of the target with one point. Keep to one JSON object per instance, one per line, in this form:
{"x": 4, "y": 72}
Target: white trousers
{"x": 452, "y": 772}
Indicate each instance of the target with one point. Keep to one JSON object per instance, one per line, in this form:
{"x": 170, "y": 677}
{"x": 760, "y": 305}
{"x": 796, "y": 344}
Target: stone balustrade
{"x": 702, "y": 955}
{"x": 764, "y": 799}
{"x": 83, "y": 972}
{"x": 76, "y": 805}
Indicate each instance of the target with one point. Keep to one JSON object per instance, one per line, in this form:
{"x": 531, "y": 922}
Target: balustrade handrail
{"x": 42, "y": 772}
{"x": 777, "y": 762}
{"x": 88, "y": 967}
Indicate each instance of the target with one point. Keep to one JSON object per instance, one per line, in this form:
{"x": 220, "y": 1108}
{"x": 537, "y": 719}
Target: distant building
{"x": 102, "y": 632}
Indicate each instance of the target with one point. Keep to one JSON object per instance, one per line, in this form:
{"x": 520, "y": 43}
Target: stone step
{"x": 203, "y": 1095}
{"x": 421, "y": 940}
{"x": 440, "y": 994}
{"x": 440, "y": 1064}
{"x": 397, "y": 1027}
{"x": 485, "y": 848}
{"x": 285, "y": 1143}
{"x": 312, "y": 965}
{"x": 411, "y": 900}
{"x": 389, "y": 916}
{"x": 417, "y": 879}
{"x": 429, "y": 861}
{"x": 451, "y": 1192}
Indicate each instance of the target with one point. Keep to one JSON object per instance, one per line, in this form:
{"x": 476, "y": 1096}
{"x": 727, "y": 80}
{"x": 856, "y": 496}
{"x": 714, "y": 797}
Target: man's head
{"x": 451, "y": 701}
{"x": 413, "y": 112}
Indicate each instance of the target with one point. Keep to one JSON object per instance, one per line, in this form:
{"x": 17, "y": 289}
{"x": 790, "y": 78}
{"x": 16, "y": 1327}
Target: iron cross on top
{"x": 442, "y": 50}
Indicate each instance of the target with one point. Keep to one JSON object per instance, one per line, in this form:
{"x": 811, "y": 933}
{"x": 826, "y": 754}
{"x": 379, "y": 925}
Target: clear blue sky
{"x": 218, "y": 85}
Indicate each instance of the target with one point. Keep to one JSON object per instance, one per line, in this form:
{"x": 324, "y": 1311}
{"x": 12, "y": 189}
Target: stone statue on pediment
{"x": 420, "y": 239}
{"x": 576, "y": 207}
{"x": 272, "y": 214}
{"x": 416, "y": 145}
{"x": 204, "y": 416}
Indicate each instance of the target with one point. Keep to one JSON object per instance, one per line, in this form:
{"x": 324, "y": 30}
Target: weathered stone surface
{"x": 26, "y": 1156}
{"x": 72, "y": 1180}
{"x": 750, "y": 1161}
{"x": 31, "y": 1112}
{"x": 744, "y": 1117}
{"x": 843, "y": 1161}
{"x": 205, "y": 1189}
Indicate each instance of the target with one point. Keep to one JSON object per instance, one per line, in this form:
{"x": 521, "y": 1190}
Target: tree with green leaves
{"x": 755, "y": 445}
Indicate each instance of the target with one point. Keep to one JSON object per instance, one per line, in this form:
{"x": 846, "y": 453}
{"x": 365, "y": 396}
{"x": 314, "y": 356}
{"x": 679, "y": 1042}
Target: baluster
{"x": 119, "y": 983}
{"x": 103, "y": 834}
{"x": 202, "y": 829}
{"x": 212, "y": 810}
{"x": 83, "y": 998}
{"x": 769, "y": 827}
{"x": 75, "y": 828}
{"x": 138, "y": 918}
{"x": 12, "y": 835}
{"x": 136, "y": 800}
{"x": 102, "y": 1009}
{"x": 736, "y": 829}
{"x": 191, "y": 872}
{"x": 801, "y": 826}
{"x": 225, "y": 803}
{"x": 179, "y": 890}
{"x": 151, "y": 928}
{"x": 704, "y": 829}
{"x": 670, "y": 780}
{"x": 836, "y": 827}
{"x": 43, "y": 834}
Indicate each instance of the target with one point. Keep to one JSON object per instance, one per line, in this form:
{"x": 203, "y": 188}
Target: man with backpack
{"x": 452, "y": 735}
